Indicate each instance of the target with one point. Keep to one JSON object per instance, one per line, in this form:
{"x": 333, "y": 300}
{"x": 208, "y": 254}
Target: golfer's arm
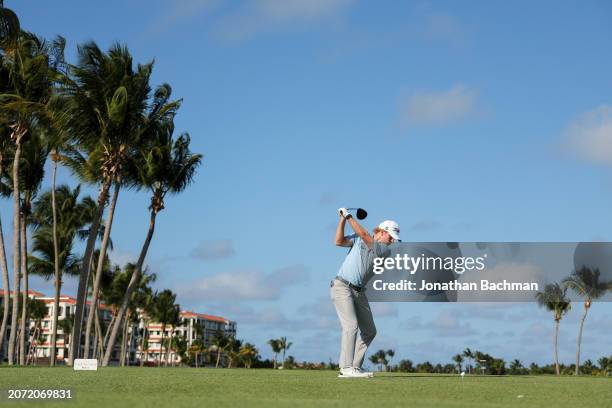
{"x": 341, "y": 240}
{"x": 359, "y": 230}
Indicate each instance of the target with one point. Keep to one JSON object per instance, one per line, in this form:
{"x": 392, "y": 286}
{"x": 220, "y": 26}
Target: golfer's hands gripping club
{"x": 344, "y": 213}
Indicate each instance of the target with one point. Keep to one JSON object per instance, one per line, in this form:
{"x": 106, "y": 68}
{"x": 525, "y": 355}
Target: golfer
{"x": 348, "y": 289}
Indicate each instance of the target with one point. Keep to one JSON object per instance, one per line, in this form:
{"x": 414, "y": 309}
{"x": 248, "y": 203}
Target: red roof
{"x": 188, "y": 313}
{"x": 30, "y": 292}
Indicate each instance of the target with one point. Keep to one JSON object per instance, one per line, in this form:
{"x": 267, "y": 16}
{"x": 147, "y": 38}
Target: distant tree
{"x": 458, "y": 359}
{"x": 554, "y": 299}
{"x": 275, "y": 345}
{"x": 469, "y": 356}
{"x": 248, "y": 354}
{"x": 284, "y": 346}
{"x": 405, "y": 366}
{"x": 585, "y": 283}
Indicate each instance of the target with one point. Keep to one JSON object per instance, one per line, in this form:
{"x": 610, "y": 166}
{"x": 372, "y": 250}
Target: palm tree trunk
{"x": 586, "y": 310}
{"x": 123, "y": 343}
{"x": 218, "y": 357}
{"x": 169, "y": 348}
{"x": 58, "y": 276}
{"x": 7, "y": 290}
{"x": 16, "y": 247}
{"x": 108, "y": 331}
{"x": 275, "y": 363}
{"x": 97, "y": 336}
{"x": 98, "y": 276}
{"x": 142, "y": 344}
{"x": 100, "y": 350}
{"x": 134, "y": 280}
{"x": 24, "y": 300}
{"x": 555, "y": 343}
{"x": 75, "y": 345}
{"x": 161, "y": 345}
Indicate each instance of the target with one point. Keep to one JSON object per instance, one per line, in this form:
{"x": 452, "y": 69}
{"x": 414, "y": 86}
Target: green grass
{"x": 183, "y": 387}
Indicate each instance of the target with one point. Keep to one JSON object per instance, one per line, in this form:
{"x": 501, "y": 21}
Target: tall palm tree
{"x": 554, "y": 299}
{"x": 585, "y": 283}
{"x": 31, "y": 175}
{"x": 468, "y": 355}
{"x": 58, "y": 229}
{"x": 24, "y": 108}
{"x": 167, "y": 166}
{"x": 5, "y": 191}
{"x": 284, "y": 346}
{"x": 274, "y": 343}
{"x": 248, "y": 353}
{"x": 108, "y": 98}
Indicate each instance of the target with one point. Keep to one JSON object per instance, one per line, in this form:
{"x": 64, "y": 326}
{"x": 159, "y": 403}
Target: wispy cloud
{"x": 244, "y": 285}
{"x": 214, "y": 249}
{"x": 436, "y": 108}
{"x": 261, "y": 16}
{"x": 446, "y": 28}
{"x": 590, "y": 136}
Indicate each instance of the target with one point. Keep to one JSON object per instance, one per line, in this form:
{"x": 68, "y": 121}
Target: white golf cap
{"x": 391, "y": 227}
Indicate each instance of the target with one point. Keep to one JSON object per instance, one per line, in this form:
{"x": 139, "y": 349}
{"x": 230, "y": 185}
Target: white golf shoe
{"x": 352, "y": 372}
{"x": 362, "y": 371}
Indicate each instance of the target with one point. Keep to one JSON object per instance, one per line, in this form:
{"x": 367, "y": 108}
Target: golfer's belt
{"x": 350, "y": 285}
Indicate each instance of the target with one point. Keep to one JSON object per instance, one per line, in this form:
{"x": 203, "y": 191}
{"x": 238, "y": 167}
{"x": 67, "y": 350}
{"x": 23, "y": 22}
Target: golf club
{"x": 361, "y": 213}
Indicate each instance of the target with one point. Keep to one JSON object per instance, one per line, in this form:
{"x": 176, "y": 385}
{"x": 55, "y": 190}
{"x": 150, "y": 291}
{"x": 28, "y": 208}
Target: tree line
{"x": 102, "y": 119}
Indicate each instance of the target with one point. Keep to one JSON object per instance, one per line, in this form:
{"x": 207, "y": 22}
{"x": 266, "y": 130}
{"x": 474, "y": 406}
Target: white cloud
{"x": 439, "y": 107}
{"x": 446, "y": 28}
{"x": 258, "y": 16}
{"x": 590, "y": 135}
{"x": 215, "y": 249}
{"x": 244, "y": 285}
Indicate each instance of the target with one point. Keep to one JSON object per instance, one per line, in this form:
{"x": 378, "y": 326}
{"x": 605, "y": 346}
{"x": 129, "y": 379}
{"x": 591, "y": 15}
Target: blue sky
{"x": 479, "y": 121}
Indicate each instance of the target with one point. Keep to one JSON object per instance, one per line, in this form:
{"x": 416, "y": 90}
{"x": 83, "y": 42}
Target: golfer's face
{"x": 384, "y": 237}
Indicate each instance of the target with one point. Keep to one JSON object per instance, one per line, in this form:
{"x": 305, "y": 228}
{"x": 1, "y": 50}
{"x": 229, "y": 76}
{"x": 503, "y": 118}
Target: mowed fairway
{"x": 188, "y": 387}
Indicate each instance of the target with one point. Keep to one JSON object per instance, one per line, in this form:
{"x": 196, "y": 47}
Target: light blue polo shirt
{"x": 358, "y": 265}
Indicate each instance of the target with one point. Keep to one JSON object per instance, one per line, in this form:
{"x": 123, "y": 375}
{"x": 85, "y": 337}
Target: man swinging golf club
{"x": 348, "y": 289}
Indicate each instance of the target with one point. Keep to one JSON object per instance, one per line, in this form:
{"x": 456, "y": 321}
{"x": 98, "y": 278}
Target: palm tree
{"x": 554, "y": 299}
{"x": 585, "y": 283}
{"x": 248, "y": 353}
{"x": 9, "y": 33}
{"x": 164, "y": 306}
{"x": 167, "y": 167}
{"x": 284, "y": 346}
{"x": 37, "y": 310}
{"x": 65, "y": 325}
{"x": 233, "y": 350}
{"x": 516, "y": 366}
{"x": 219, "y": 342}
{"x": 58, "y": 229}
{"x": 467, "y": 353}
{"x": 174, "y": 320}
{"x": 458, "y": 359}
{"x": 5, "y": 191}
{"x": 380, "y": 358}
{"x": 31, "y": 174}
{"x": 197, "y": 347}
{"x": 24, "y": 102}
{"x": 107, "y": 100}
{"x": 274, "y": 343}
{"x": 9, "y": 26}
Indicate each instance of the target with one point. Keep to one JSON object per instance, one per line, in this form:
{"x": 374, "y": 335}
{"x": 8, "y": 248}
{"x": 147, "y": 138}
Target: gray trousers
{"x": 354, "y": 313}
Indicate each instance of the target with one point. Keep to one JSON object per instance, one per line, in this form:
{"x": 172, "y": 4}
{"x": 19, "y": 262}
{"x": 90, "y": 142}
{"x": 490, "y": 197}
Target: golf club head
{"x": 360, "y": 213}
